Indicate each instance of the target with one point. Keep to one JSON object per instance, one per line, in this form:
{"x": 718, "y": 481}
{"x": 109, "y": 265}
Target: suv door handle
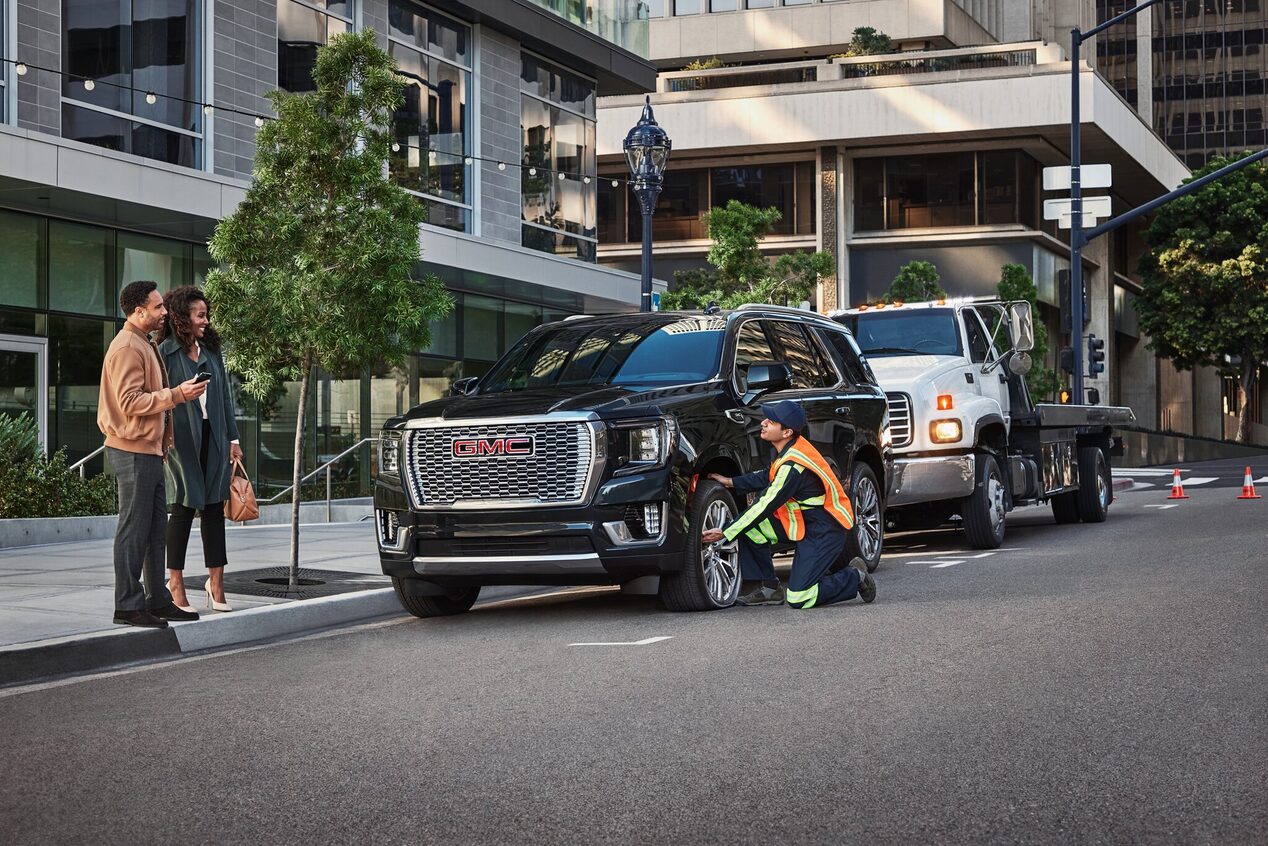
{"x": 734, "y": 415}
{"x": 845, "y": 411}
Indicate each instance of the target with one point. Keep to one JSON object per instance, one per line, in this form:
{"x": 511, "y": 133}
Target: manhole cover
{"x": 274, "y": 581}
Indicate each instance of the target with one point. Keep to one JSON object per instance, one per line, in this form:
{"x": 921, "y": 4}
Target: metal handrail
{"x": 327, "y": 466}
{"x": 79, "y": 465}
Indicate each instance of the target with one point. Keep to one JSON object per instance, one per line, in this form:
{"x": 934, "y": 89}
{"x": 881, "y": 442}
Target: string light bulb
{"x": 501, "y": 165}
{"x": 468, "y": 161}
{"x": 21, "y": 68}
{"x": 89, "y": 85}
{"x": 259, "y": 121}
{"x": 615, "y": 183}
{"x": 151, "y": 98}
{"x": 586, "y": 180}
{"x": 207, "y": 109}
{"x": 396, "y": 147}
{"x": 532, "y": 171}
{"x": 562, "y": 176}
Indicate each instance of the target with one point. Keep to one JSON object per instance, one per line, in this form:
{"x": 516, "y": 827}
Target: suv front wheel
{"x": 710, "y": 576}
{"x": 866, "y": 540}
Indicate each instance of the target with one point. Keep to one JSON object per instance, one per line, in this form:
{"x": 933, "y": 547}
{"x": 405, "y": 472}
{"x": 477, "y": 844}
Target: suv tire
{"x": 1096, "y": 486}
{"x": 867, "y": 539}
{"x": 707, "y": 580}
{"x": 984, "y": 509}
{"x": 433, "y": 606}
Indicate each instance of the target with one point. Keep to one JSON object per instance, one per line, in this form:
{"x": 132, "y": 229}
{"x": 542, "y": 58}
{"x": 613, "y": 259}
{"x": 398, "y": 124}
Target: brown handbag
{"x": 241, "y": 506}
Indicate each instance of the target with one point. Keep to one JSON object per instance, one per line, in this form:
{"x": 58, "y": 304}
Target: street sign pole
{"x": 1076, "y": 222}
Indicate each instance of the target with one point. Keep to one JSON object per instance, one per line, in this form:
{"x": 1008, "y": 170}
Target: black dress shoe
{"x": 139, "y": 618}
{"x": 171, "y": 612}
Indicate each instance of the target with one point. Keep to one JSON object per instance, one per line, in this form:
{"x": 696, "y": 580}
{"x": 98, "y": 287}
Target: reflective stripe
{"x": 796, "y": 598}
{"x": 837, "y": 503}
{"x": 756, "y": 536}
{"x": 746, "y": 519}
{"x": 794, "y": 526}
{"x": 814, "y": 500}
{"x": 769, "y": 531}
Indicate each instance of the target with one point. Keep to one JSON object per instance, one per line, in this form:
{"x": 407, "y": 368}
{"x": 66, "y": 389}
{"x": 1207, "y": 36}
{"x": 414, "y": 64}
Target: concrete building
{"x": 127, "y": 131}
{"x": 932, "y": 153}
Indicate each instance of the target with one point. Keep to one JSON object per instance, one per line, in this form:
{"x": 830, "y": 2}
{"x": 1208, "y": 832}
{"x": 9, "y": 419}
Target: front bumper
{"x": 930, "y": 479}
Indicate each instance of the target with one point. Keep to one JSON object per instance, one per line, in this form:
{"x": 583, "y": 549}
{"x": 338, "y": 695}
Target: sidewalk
{"x": 57, "y": 600}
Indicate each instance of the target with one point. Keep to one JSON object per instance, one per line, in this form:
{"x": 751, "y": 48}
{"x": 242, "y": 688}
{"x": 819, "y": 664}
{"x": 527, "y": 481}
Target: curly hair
{"x": 135, "y": 295}
{"x": 180, "y": 301}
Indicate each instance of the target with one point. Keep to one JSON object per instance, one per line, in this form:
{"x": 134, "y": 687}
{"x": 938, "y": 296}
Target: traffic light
{"x": 1065, "y": 358}
{"x": 1064, "y": 395}
{"x": 1095, "y": 355}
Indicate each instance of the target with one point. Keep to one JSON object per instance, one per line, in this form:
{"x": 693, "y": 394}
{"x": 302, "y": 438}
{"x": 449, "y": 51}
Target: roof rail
{"x": 783, "y": 309}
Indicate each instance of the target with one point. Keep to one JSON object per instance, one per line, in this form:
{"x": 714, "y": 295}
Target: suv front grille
{"x": 899, "y": 419}
{"x": 557, "y": 472}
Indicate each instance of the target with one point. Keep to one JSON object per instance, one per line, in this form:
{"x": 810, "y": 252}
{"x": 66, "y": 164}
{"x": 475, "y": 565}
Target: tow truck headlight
{"x": 390, "y": 453}
{"x": 945, "y": 431}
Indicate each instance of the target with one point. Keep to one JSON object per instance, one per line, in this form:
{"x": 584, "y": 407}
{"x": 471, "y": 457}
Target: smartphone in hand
{"x": 203, "y": 376}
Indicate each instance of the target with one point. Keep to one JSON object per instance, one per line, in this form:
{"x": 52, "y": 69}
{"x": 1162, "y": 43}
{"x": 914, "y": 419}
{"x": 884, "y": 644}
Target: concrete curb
{"x": 45, "y": 660}
{"x": 1122, "y": 485}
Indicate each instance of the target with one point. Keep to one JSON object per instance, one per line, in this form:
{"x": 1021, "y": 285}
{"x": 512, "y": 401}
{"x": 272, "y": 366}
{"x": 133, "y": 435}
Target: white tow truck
{"x": 966, "y": 438}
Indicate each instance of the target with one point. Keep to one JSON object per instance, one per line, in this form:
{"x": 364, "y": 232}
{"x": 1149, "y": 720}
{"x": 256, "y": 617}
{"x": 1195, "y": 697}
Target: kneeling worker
{"x": 809, "y": 507}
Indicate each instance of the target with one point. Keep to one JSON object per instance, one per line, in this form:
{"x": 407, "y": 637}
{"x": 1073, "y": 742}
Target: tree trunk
{"x": 1246, "y": 387}
{"x": 298, "y": 473}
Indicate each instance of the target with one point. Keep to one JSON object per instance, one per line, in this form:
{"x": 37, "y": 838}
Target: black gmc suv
{"x": 583, "y": 456}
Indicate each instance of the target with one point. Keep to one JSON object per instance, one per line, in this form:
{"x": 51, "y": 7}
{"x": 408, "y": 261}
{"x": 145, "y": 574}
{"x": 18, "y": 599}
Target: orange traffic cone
{"x": 1177, "y": 489}
{"x": 1248, "y": 488}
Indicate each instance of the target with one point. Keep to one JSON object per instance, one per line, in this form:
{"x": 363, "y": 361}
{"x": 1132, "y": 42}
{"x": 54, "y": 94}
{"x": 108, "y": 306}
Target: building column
{"x": 1145, "y": 66}
{"x": 830, "y": 293}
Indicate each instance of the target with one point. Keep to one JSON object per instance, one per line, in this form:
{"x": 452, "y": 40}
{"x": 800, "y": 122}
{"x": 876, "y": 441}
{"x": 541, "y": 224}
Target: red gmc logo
{"x": 480, "y": 447}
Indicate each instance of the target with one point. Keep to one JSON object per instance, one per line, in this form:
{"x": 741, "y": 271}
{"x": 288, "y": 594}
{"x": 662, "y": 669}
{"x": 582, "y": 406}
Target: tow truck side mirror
{"x": 1021, "y": 326}
{"x": 765, "y": 376}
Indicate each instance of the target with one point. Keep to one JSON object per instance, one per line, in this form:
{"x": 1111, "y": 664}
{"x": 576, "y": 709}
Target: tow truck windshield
{"x": 918, "y": 332}
{"x": 583, "y": 353}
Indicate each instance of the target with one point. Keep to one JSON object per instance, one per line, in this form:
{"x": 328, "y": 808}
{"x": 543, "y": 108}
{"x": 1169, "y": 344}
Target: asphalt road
{"x": 1086, "y": 684}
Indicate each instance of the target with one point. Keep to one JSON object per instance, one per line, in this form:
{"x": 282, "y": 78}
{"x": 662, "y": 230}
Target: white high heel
{"x": 211, "y": 600}
{"x": 189, "y": 608}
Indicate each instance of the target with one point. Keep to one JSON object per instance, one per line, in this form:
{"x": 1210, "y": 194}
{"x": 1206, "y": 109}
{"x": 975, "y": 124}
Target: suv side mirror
{"x": 764, "y": 376}
{"x": 1021, "y": 326}
{"x": 462, "y": 387}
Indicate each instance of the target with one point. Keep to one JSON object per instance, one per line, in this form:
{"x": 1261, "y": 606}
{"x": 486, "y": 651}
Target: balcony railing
{"x": 1021, "y": 54}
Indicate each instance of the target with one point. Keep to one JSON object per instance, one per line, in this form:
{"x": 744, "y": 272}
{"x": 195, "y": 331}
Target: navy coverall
{"x": 824, "y": 542}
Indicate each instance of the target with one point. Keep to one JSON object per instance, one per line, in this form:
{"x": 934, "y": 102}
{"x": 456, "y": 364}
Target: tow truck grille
{"x": 899, "y": 419}
{"x": 555, "y": 473}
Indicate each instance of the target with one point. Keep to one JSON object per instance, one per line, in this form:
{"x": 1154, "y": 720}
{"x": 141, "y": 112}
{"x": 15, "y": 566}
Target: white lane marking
{"x": 1199, "y": 480}
{"x": 1142, "y": 471}
{"x": 643, "y": 642}
{"x": 1164, "y": 507}
{"x": 1260, "y": 481}
{"x": 939, "y": 566}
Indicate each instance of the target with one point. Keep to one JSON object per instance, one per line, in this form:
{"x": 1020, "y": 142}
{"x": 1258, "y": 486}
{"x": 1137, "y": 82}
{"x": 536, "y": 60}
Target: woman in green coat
{"x": 199, "y": 468}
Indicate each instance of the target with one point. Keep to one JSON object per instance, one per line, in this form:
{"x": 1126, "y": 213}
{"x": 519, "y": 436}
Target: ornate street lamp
{"x": 647, "y": 151}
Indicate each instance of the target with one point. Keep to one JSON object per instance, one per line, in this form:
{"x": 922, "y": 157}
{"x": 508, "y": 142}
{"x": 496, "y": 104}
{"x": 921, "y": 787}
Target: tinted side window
{"x": 979, "y": 344}
{"x": 846, "y": 355}
{"x": 809, "y": 369}
{"x": 751, "y": 344}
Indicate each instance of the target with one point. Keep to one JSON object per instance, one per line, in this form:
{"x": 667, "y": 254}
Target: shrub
{"x": 35, "y": 485}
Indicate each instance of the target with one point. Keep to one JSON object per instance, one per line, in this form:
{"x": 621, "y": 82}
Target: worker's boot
{"x": 867, "y": 584}
{"x": 762, "y": 595}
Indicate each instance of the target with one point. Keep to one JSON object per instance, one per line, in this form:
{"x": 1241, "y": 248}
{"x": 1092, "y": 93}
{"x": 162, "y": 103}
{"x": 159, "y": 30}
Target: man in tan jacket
{"x": 134, "y": 413}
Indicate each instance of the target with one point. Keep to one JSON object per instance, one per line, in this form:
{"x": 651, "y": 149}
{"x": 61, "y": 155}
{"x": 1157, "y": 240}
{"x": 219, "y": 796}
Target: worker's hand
{"x": 192, "y": 390}
{"x": 711, "y": 535}
{"x": 235, "y": 453}
{"x": 724, "y": 481}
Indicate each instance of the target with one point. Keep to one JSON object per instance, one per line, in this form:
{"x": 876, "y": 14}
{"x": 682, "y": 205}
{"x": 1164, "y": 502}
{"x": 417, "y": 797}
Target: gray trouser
{"x": 140, "y": 537}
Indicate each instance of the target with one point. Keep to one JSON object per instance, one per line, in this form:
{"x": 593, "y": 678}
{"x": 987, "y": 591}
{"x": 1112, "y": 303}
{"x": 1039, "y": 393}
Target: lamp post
{"x": 647, "y": 151}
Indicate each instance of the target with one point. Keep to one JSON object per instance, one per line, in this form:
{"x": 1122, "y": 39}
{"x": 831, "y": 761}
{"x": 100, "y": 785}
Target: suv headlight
{"x": 643, "y": 446}
{"x": 390, "y": 452}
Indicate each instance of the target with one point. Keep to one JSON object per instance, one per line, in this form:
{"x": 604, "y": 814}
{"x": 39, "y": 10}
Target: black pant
{"x": 138, "y": 541}
{"x": 181, "y": 523}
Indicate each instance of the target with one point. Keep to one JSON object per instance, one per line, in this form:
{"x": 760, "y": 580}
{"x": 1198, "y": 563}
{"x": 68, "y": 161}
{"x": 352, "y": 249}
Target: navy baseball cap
{"x": 786, "y": 413}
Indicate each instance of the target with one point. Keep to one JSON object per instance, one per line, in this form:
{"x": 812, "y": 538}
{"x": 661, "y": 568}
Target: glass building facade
{"x": 950, "y": 189}
{"x": 304, "y": 26}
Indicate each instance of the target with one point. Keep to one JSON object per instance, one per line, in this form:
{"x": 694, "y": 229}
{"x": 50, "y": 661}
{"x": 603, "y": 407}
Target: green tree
{"x": 867, "y": 41}
{"x": 315, "y": 263}
{"x": 916, "y": 282}
{"x": 738, "y": 272}
{"x": 1204, "y": 301}
{"x": 1015, "y": 284}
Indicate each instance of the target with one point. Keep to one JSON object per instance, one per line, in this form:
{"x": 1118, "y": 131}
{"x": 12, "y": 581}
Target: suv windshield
{"x": 625, "y": 352}
{"x": 924, "y": 332}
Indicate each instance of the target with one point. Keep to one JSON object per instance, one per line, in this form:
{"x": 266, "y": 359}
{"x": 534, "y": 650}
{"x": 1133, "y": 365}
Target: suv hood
{"x": 605, "y": 401}
{"x": 899, "y": 372}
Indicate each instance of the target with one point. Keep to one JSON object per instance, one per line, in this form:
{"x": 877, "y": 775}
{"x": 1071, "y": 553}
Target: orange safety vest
{"x": 835, "y": 500}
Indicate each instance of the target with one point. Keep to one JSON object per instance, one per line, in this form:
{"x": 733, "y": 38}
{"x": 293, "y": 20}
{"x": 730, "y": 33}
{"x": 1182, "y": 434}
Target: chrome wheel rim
{"x": 720, "y": 562}
{"x": 995, "y": 494}
{"x": 867, "y": 519}
{"x": 1102, "y": 487}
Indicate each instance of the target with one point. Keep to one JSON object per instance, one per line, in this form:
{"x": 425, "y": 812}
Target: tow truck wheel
{"x": 433, "y": 606}
{"x": 1096, "y": 486}
{"x": 867, "y": 537}
{"x": 710, "y": 576}
{"x": 984, "y": 509}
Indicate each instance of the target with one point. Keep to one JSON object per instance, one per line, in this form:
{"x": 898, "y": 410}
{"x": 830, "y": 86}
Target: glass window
{"x": 680, "y": 208}
{"x": 557, "y": 184}
{"x": 76, "y": 347}
{"x": 847, "y": 357}
{"x": 444, "y": 332}
{"x": 435, "y": 376}
{"x": 961, "y": 189}
{"x": 431, "y": 127}
{"x": 301, "y": 30}
{"x": 134, "y": 48}
{"x": 764, "y": 186}
{"x": 931, "y": 191}
{"x": 80, "y": 260}
{"x": 20, "y": 243}
{"x": 519, "y": 319}
{"x": 157, "y": 259}
{"x": 638, "y": 351}
{"x": 809, "y": 369}
{"x": 723, "y": 5}
{"x": 930, "y": 331}
{"x": 481, "y": 327}
{"x": 979, "y": 343}
{"x": 687, "y": 7}
{"x": 751, "y": 344}
{"x": 869, "y": 194}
